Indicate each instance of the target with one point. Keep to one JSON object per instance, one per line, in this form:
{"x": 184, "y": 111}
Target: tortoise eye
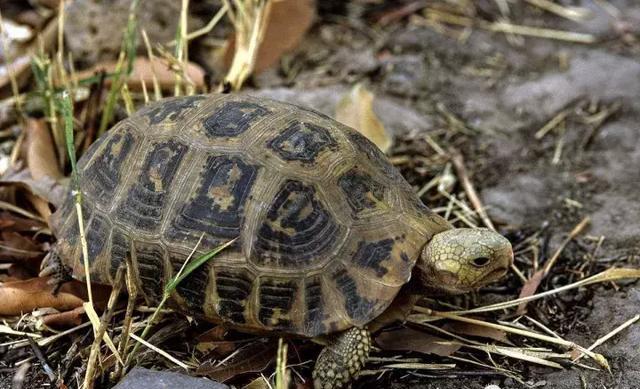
{"x": 481, "y": 261}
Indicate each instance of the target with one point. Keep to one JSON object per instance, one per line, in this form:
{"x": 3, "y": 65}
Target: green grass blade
{"x": 193, "y": 265}
{"x": 66, "y": 107}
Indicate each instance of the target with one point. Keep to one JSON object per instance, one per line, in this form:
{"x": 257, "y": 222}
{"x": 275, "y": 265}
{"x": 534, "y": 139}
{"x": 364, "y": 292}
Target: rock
{"x": 140, "y": 378}
{"x": 520, "y": 200}
{"x": 404, "y": 75}
{"x": 397, "y": 119}
{"x": 594, "y": 74}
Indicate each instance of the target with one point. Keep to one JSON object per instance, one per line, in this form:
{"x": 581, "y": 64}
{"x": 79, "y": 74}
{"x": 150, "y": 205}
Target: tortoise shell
{"x": 329, "y": 231}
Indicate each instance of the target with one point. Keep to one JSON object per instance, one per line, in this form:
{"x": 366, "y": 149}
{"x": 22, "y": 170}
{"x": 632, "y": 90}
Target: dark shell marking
{"x": 103, "y": 175}
{"x": 120, "y": 249}
{"x": 276, "y": 301}
{"x": 171, "y": 109}
{"x": 233, "y": 289}
{"x": 316, "y": 252}
{"x": 233, "y": 118}
{"x": 361, "y": 190}
{"x": 143, "y": 206}
{"x": 193, "y": 287}
{"x": 298, "y": 229}
{"x": 150, "y": 265}
{"x": 372, "y": 254}
{"x": 217, "y": 207}
{"x": 357, "y": 307}
{"x": 302, "y": 141}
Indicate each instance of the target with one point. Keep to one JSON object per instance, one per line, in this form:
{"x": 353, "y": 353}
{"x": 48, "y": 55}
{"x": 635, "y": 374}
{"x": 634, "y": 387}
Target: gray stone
{"x": 520, "y": 200}
{"x": 140, "y": 378}
{"x": 397, "y": 118}
{"x": 593, "y": 74}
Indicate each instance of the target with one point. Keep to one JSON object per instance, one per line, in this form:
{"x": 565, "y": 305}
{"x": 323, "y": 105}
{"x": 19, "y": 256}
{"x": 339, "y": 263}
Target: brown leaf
{"x": 16, "y": 246}
{"x": 288, "y": 22}
{"x": 65, "y": 319}
{"x": 528, "y": 289}
{"x": 40, "y": 151}
{"x": 14, "y": 223}
{"x": 144, "y": 69}
{"x": 25, "y": 296}
{"x": 46, "y": 187}
{"x": 356, "y": 110}
{"x": 407, "y": 339}
{"x": 477, "y": 330}
{"x": 253, "y": 357}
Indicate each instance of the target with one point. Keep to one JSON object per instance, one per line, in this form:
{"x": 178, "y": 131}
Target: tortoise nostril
{"x": 481, "y": 261}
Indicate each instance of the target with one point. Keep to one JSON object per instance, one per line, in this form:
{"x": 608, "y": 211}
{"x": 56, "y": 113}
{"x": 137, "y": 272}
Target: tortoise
{"x": 329, "y": 233}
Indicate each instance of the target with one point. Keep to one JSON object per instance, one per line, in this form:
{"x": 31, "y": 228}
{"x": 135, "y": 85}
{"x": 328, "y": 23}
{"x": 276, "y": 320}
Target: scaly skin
{"x": 342, "y": 359}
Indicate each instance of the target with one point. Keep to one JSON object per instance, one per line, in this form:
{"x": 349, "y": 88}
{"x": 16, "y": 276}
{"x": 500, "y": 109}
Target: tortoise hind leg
{"x": 341, "y": 360}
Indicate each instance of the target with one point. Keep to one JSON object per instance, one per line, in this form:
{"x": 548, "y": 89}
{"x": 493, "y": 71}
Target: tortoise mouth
{"x": 494, "y": 275}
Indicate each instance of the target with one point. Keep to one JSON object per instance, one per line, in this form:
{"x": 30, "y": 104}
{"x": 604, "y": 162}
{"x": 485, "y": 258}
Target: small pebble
{"x": 492, "y": 387}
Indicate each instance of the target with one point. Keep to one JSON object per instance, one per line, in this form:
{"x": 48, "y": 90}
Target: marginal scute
{"x": 120, "y": 250}
{"x": 297, "y": 230}
{"x": 233, "y": 289}
{"x": 314, "y": 305}
{"x": 358, "y": 307}
{"x": 302, "y": 141}
{"x": 233, "y": 118}
{"x": 97, "y": 236}
{"x": 143, "y": 206}
{"x": 193, "y": 287}
{"x": 276, "y": 298}
{"x": 218, "y": 204}
{"x": 361, "y": 190}
{"x": 101, "y": 178}
{"x": 171, "y": 109}
{"x": 150, "y": 264}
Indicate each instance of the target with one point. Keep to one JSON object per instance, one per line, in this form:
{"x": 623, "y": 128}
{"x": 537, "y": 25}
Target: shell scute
{"x": 297, "y": 230}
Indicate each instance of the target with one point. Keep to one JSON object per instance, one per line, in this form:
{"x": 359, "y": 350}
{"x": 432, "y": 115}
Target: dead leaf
{"x": 40, "y": 151}
{"x": 407, "y": 339}
{"x": 144, "y": 69}
{"x": 65, "y": 319}
{"x": 254, "y": 357}
{"x": 356, "y": 110}
{"x": 288, "y": 22}
{"x": 46, "y": 187}
{"x": 25, "y": 296}
{"x": 16, "y": 246}
{"x": 529, "y": 289}
{"x": 14, "y": 223}
{"x": 476, "y": 330}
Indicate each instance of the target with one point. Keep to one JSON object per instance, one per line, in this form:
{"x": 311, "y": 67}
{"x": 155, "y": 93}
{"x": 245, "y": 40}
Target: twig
{"x": 159, "y": 351}
{"x": 577, "y": 230}
{"x": 458, "y": 163}
{"x": 577, "y": 14}
{"x": 611, "y": 334}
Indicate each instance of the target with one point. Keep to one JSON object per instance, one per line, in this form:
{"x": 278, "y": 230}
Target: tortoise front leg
{"x": 52, "y": 266}
{"x": 341, "y": 360}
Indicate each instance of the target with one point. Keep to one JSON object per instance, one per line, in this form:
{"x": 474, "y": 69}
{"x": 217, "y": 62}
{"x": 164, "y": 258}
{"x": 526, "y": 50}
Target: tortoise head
{"x": 462, "y": 259}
